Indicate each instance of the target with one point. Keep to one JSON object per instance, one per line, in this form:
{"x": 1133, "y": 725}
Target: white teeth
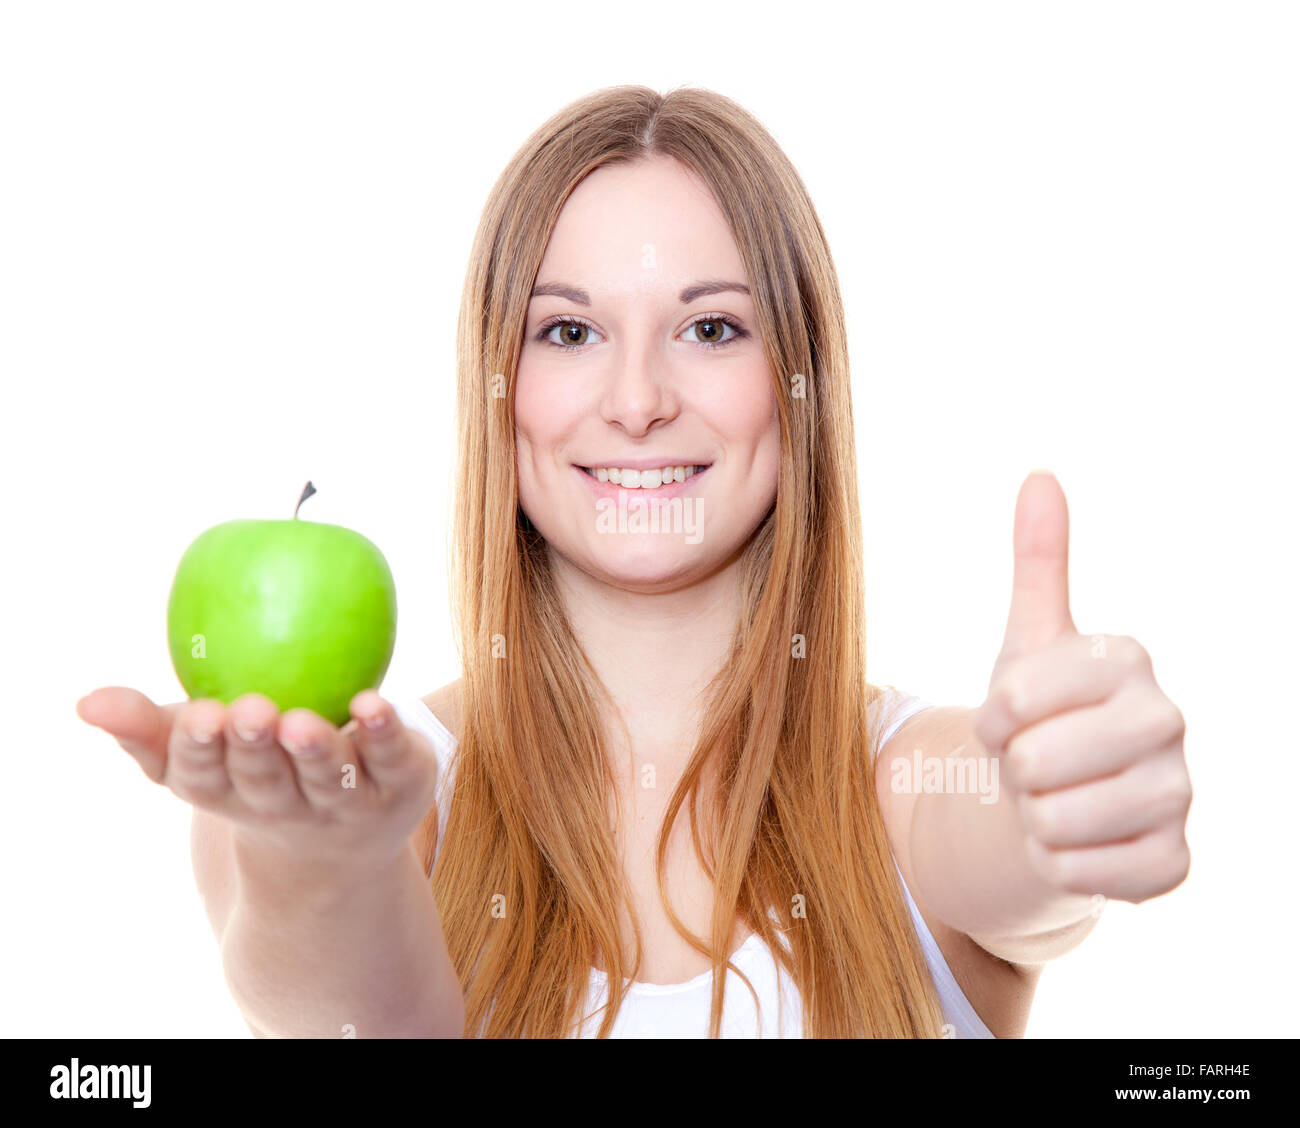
{"x": 643, "y": 479}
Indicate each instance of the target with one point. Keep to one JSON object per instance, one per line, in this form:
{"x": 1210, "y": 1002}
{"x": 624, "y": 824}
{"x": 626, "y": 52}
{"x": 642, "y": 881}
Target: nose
{"x": 639, "y": 390}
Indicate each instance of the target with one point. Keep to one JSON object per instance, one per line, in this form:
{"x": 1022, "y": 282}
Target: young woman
{"x": 663, "y": 798}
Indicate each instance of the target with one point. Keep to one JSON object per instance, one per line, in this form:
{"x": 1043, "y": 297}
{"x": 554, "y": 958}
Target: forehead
{"x": 648, "y": 225}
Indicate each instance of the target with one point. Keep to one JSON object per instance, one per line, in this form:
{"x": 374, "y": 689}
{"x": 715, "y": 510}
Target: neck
{"x": 655, "y": 653}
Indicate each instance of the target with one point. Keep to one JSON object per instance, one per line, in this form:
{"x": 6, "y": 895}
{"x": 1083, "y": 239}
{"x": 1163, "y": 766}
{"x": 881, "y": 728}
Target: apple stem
{"x": 307, "y": 491}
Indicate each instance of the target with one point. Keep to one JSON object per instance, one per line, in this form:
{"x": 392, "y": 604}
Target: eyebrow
{"x": 581, "y": 297}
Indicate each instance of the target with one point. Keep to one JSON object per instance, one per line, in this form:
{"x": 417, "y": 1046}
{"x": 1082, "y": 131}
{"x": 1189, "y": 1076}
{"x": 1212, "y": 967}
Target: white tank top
{"x": 681, "y": 1010}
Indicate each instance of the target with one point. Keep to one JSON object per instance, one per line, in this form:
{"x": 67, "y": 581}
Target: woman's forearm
{"x": 312, "y": 952}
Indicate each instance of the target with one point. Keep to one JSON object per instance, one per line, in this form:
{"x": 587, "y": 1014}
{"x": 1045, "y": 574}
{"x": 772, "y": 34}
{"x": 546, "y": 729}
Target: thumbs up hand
{"x": 1089, "y": 747}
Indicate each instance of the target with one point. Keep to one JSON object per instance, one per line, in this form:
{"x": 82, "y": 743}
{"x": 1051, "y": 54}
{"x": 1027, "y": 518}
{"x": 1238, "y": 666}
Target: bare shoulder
{"x": 444, "y": 703}
{"x": 1001, "y": 992}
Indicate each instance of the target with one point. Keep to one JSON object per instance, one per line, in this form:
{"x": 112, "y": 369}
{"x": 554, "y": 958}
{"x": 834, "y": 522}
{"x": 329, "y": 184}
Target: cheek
{"x": 531, "y": 427}
{"x": 545, "y": 419}
{"x": 769, "y": 453}
{"x": 540, "y": 414}
{"x": 741, "y": 403}
{"x": 530, "y": 402}
{"x": 767, "y": 467}
{"x": 744, "y": 413}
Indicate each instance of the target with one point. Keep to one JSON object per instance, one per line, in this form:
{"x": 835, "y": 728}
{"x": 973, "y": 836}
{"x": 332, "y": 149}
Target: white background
{"x": 232, "y": 242}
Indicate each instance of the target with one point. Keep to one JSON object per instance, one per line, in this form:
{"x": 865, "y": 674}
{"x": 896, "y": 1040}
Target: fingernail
{"x": 203, "y": 735}
{"x": 375, "y": 723}
{"x": 247, "y": 735}
{"x": 299, "y": 747}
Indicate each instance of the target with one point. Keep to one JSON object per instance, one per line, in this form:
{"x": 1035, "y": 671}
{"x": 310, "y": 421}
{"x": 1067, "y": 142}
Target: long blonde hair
{"x": 527, "y": 879}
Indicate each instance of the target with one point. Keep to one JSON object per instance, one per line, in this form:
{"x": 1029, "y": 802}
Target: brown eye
{"x": 711, "y": 332}
{"x": 565, "y": 333}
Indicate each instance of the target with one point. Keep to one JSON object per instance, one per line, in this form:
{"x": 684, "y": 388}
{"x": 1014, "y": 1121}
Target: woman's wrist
{"x": 273, "y": 874}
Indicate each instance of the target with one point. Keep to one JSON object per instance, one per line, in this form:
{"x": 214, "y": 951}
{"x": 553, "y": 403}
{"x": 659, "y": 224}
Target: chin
{"x": 658, "y": 564}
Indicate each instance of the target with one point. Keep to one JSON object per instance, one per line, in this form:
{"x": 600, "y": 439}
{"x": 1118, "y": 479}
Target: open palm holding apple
{"x": 292, "y": 784}
{"x": 280, "y": 632}
{"x": 1090, "y": 746}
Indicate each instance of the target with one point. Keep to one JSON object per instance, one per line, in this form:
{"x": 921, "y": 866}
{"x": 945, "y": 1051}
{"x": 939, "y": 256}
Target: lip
{"x": 673, "y": 489}
{"x": 648, "y": 463}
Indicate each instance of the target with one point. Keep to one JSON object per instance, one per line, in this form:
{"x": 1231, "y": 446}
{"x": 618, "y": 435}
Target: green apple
{"x": 303, "y": 612}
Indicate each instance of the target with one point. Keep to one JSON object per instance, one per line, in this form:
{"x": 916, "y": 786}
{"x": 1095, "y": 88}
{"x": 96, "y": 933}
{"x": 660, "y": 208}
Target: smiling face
{"x": 633, "y": 360}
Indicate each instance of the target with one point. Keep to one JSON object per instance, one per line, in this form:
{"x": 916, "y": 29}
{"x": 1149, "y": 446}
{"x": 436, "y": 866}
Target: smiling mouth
{"x": 654, "y": 479}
